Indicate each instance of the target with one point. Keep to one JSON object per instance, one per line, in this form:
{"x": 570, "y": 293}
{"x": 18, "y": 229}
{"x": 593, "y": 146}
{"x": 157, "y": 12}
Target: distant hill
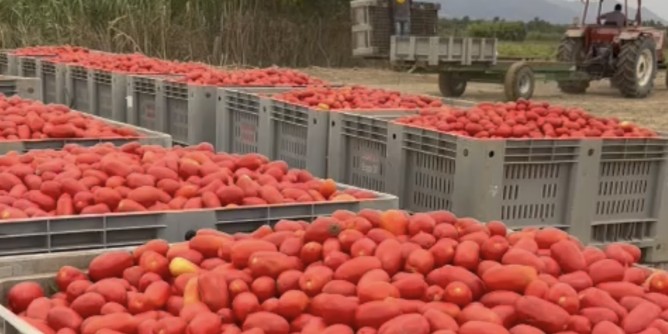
{"x": 554, "y": 11}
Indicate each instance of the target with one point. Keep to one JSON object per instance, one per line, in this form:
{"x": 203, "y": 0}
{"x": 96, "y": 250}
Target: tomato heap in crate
{"x": 135, "y": 178}
{"x": 355, "y": 97}
{"x": 22, "y": 119}
{"x": 367, "y": 272}
{"x": 189, "y": 72}
{"x": 523, "y": 119}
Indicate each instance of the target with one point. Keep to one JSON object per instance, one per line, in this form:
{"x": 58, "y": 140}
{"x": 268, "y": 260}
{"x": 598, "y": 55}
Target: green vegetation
{"x": 528, "y": 49}
{"x": 250, "y": 32}
{"x": 256, "y": 32}
{"x": 534, "y": 39}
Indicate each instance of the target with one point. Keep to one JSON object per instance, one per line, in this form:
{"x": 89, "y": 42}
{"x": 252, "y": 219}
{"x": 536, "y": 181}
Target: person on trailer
{"x": 615, "y": 18}
{"x": 401, "y": 10}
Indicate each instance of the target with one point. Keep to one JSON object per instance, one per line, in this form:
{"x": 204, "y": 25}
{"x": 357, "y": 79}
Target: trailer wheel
{"x": 519, "y": 82}
{"x": 451, "y": 85}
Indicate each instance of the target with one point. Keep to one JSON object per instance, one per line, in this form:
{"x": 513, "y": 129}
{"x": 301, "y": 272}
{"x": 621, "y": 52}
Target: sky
{"x": 660, "y": 7}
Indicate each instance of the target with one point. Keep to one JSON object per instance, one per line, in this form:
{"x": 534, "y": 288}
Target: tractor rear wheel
{"x": 451, "y": 85}
{"x": 636, "y": 67}
{"x": 571, "y": 50}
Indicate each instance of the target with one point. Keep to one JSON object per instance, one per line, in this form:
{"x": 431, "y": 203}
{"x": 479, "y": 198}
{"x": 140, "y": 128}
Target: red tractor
{"x": 623, "y": 51}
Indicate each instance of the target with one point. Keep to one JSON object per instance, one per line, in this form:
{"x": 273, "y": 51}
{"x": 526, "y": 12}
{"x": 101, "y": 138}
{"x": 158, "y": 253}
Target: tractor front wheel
{"x": 570, "y": 50}
{"x": 636, "y": 68}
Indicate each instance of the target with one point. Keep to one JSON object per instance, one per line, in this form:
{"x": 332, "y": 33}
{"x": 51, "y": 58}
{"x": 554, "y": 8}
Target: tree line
{"x": 536, "y": 29}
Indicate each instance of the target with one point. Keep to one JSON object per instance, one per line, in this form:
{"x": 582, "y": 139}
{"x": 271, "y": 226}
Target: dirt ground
{"x": 600, "y": 99}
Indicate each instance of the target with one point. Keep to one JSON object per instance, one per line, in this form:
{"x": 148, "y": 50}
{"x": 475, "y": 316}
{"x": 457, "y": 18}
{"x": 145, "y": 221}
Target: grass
{"x": 529, "y": 49}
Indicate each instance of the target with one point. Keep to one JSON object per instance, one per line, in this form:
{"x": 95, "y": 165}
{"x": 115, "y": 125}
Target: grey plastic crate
{"x": 522, "y": 182}
{"x": 53, "y": 80}
{"x": 108, "y": 93}
{"x": 41, "y": 269}
{"x": 4, "y": 62}
{"x": 149, "y": 138}
{"x": 77, "y": 88}
{"x": 630, "y": 195}
{"x": 238, "y": 118}
{"x": 190, "y": 111}
{"x": 296, "y": 135}
{"x": 27, "y": 88}
{"x": 49, "y": 235}
{"x": 27, "y": 67}
{"x": 12, "y": 64}
{"x": 143, "y": 104}
{"x": 357, "y": 147}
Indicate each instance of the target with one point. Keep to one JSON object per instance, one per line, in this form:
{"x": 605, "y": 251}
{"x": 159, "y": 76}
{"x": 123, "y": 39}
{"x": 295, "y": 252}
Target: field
{"x": 600, "y": 99}
{"x": 529, "y": 49}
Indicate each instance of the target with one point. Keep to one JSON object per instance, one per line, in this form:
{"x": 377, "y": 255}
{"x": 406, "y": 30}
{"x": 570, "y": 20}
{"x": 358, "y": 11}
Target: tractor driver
{"x": 616, "y": 17}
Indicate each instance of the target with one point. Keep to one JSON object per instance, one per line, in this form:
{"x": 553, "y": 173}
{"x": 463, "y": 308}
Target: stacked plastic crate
{"x": 372, "y": 25}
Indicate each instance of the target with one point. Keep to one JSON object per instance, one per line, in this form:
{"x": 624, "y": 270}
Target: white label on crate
{"x": 493, "y": 191}
{"x": 369, "y": 164}
{"x": 128, "y": 101}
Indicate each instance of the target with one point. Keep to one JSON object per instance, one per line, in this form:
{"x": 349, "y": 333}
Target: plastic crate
{"x": 77, "y": 88}
{"x": 12, "y": 66}
{"x": 190, "y": 111}
{"x": 41, "y": 269}
{"x": 521, "y": 182}
{"x": 372, "y": 25}
{"x": 630, "y": 195}
{"x": 27, "y": 67}
{"x": 108, "y": 93}
{"x": 143, "y": 104}
{"x": 4, "y": 62}
{"x": 149, "y": 138}
{"x": 238, "y": 118}
{"x": 357, "y": 149}
{"x": 27, "y": 88}
{"x": 53, "y": 80}
{"x": 48, "y": 235}
{"x": 298, "y": 136}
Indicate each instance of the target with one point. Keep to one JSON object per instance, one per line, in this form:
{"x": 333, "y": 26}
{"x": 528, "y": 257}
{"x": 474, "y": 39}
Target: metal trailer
{"x": 457, "y": 60}
{"x": 460, "y": 60}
